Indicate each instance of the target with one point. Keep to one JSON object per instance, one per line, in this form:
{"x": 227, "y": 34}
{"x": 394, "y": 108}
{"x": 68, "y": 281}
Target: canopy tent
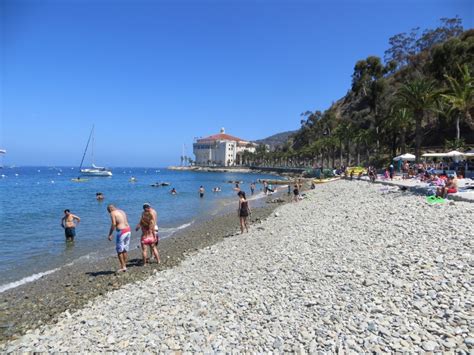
{"x": 406, "y": 156}
{"x": 451, "y": 154}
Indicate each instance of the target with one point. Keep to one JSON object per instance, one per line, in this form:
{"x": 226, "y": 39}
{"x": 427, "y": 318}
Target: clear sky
{"x": 152, "y": 75}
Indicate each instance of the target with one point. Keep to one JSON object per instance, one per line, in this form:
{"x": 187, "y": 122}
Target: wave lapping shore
{"x": 350, "y": 268}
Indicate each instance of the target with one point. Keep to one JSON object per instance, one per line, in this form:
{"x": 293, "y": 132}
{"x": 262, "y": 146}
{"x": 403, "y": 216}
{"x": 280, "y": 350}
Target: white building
{"x": 221, "y": 149}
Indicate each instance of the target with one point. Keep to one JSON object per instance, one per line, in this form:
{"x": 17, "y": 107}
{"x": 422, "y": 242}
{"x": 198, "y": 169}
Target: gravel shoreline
{"x": 41, "y": 302}
{"x": 350, "y": 268}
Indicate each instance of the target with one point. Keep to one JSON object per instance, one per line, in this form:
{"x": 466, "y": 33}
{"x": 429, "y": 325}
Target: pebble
{"x": 331, "y": 274}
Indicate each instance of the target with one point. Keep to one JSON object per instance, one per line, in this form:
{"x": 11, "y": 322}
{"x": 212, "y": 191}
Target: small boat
{"x": 94, "y": 170}
{"x": 356, "y": 170}
{"x": 275, "y": 182}
{"x": 235, "y": 182}
{"x": 322, "y": 181}
{"x": 159, "y": 184}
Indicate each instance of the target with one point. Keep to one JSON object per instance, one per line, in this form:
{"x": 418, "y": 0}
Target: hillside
{"x": 276, "y": 140}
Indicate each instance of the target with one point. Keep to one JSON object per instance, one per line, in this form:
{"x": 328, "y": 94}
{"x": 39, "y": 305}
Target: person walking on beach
{"x": 243, "y": 211}
{"x": 391, "y": 170}
{"x": 147, "y": 224}
{"x": 147, "y": 207}
{"x": 69, "y": 223}
{"x": 119, "y": 223}
{"x": 201, "y": 191}
{"x": 296, "y": 194}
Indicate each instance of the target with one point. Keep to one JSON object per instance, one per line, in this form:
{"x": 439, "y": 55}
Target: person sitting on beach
{"x": 173, "y": 191}
{"x": 69, "y": 223}
{"x": 147, "y": 224}
{"x": 451, "y": 187}
{"x": 119, "y": 223}
{"x": 243, "y": 211}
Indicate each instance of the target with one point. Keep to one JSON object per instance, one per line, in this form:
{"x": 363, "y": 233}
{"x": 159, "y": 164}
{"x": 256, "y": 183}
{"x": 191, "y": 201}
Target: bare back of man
{"x": 119, "y": 223}
{"x": 120, "y": 218}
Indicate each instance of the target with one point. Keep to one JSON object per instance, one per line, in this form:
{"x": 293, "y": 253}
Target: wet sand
{"x": 40, "y": 302}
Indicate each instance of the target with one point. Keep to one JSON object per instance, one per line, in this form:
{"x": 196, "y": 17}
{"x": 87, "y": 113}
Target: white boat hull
{"x": 95, "y": 172}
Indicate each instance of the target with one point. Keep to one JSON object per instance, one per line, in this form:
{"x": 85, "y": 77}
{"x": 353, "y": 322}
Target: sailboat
{"x": 94, "y": 170}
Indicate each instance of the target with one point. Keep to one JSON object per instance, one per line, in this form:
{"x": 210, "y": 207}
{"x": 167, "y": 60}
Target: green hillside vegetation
{"x": 419, "y": 98}
{"x": 277, "y": 140}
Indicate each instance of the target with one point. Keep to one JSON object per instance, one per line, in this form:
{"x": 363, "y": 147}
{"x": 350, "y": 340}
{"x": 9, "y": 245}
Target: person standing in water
{"x": 201, "y": 191}
{"x": 119, "y": 223}
{"x": 243, "y": 211}
{"x": 69, "y": 223}
{"x": 252, "y": 188}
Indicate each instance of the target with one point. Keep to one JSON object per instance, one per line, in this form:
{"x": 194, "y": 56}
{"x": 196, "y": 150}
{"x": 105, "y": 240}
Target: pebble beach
{"x": 350, "y": 268}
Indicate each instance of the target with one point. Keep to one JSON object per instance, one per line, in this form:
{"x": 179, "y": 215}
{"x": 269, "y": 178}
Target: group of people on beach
{"x": 119, "y": 224}
{"x": 148, "y": 224}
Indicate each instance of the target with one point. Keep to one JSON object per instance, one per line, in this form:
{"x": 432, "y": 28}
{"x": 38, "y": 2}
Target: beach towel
{"x": 435, "y": 199}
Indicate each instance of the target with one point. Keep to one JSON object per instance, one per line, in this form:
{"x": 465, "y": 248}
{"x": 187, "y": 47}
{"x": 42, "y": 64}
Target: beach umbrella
{"x": 406, "y": 156}
{"x": 454, "y": 154}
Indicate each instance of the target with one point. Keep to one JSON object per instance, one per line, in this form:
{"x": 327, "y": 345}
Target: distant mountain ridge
{"x": 276, "y": 140}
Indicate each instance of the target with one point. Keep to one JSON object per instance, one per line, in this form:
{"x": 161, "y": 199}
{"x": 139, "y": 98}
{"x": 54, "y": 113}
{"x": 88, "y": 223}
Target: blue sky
{"x": 152, "y": 75}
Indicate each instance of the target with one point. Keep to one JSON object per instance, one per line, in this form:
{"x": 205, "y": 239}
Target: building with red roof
{"x": 221, "y": 149}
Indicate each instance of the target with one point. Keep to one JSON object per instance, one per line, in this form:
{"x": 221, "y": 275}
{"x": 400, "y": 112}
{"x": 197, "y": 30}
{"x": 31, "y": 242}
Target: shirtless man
{"x": 69, "y": 223}
{"x": 119, "y": 223}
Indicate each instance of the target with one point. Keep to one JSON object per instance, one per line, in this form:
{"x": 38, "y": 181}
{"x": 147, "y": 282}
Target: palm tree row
{"x": 387, "y": 112}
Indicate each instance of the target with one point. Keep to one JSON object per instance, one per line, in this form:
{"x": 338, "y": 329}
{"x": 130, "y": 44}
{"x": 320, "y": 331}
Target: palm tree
{"x": 460, "y": 96}
{"x": 400, "y": 122}
{"x": 419, "y": 96}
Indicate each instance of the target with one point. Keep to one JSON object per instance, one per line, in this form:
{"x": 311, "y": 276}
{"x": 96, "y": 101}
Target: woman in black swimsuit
{"x": 244, "y": 211}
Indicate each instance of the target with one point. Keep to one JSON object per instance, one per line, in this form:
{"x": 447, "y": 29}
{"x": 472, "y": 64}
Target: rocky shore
{"x": 41, "y": 302}
{"x": 350, "y": 268}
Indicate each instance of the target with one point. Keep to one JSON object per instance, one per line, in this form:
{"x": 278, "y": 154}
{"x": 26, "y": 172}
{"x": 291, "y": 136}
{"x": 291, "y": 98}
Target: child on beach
{"x": 147, "y": 224}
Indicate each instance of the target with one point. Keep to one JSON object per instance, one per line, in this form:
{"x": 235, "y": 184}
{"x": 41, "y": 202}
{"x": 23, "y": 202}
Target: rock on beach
{"x": 347, "y": 269}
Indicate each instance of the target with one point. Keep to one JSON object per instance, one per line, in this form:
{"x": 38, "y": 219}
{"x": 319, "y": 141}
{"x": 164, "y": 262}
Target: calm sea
{"x": 32, "y": 200}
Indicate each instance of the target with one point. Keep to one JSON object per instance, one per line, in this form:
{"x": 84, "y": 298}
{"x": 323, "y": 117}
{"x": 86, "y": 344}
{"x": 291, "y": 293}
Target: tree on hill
{"x": 419, "y": 96}
{"x": 460, "y": 97}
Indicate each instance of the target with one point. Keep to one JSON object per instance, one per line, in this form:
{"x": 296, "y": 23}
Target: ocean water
{"x": 32, "y": 201}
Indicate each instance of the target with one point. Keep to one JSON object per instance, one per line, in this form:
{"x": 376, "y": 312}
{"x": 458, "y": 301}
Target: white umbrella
{"x": 426, "y": 155}
{"x": 406, "y": 156}
{"x": 454, "y": 153}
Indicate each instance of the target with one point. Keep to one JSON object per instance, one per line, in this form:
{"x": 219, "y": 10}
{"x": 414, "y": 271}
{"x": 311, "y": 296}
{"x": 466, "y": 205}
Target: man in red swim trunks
{"x": 119, "y": 223}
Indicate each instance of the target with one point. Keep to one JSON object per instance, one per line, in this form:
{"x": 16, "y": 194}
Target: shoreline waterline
{"x": 72, "y": 286}
{"x": 325, "y": 274}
